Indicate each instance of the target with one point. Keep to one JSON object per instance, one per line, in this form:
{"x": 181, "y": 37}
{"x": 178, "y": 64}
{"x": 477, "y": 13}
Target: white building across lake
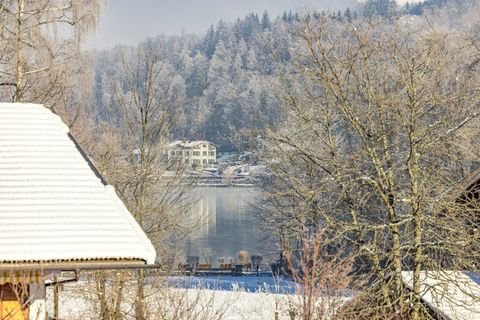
{"x": 198, "y": 154}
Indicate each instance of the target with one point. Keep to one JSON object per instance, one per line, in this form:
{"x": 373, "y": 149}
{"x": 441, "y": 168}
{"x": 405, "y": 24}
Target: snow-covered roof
{"x": 453, "y": 295}
{"x": 54, "y": 206}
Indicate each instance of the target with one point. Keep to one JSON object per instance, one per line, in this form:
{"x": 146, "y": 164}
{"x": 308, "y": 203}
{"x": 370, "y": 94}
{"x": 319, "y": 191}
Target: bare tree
{"x": 322, "y": 276}
{"x": 40, "y": 45}
{"x": 150, "y": 98}
{"x": 132, "y": 154}
{"x": 375, "y": 113}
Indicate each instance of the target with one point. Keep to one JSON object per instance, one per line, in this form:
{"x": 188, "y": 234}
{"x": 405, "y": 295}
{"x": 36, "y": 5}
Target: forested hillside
{"x": 222, "y": 79}
{"x": 225, "y": 79}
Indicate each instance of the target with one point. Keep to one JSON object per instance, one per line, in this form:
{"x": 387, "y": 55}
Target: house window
{"x": 211, "y": 161}
{"x": 204, "y": 153}
{"x": 212, "y": 153}
{"x": 179, "y": 153}
{"x": 196, "y": 153}
{"x": 204, "y": 161}
{"x": 204, "y": 146}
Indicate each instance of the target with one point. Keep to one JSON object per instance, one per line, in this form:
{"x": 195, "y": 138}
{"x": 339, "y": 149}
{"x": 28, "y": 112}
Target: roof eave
{"x": 78, "y": 265}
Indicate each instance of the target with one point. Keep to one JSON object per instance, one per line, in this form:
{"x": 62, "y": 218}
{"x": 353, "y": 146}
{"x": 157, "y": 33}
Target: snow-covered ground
{"x": 80, "y": 301}
{"x": 250, "y": 283}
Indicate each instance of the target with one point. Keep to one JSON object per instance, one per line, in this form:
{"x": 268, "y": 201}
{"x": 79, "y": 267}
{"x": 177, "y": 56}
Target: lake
{"x": 228, "y": 224}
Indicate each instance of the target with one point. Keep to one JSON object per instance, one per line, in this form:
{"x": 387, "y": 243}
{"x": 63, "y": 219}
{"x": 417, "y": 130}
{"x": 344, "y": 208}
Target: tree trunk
{"x": 20, "y": 60}
{"x": 140, "y": 298}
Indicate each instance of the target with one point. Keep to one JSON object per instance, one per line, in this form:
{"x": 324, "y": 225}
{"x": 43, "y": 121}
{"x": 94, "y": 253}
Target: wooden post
{"x": 56, "y": 291}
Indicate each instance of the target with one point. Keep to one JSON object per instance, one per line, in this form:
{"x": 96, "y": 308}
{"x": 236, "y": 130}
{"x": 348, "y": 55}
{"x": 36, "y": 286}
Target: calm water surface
{"x": 228, "y": 224}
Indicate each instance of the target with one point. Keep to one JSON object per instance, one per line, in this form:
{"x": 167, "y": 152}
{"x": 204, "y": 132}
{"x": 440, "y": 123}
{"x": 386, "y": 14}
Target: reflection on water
{"x": 227, "y": 225}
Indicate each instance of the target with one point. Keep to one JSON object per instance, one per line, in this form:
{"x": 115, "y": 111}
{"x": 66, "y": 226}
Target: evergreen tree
{"x": 290, "y": 16}
{"x": 348, "y": 14}
{"x": 196, "y": 79}
{"x": 208, "y": 45}
{"x": 266, "y": 24}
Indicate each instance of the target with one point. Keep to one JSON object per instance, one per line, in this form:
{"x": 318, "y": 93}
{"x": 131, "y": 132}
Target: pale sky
{"x": 130, "y": 21}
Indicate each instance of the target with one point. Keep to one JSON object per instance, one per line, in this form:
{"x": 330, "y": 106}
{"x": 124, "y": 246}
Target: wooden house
{"x": 56, "y": 212}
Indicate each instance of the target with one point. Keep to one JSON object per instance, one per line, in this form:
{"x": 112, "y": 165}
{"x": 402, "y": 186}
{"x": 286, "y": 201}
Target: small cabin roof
{"x": 451, "y": 294}
{"x": 54, "y": 206}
